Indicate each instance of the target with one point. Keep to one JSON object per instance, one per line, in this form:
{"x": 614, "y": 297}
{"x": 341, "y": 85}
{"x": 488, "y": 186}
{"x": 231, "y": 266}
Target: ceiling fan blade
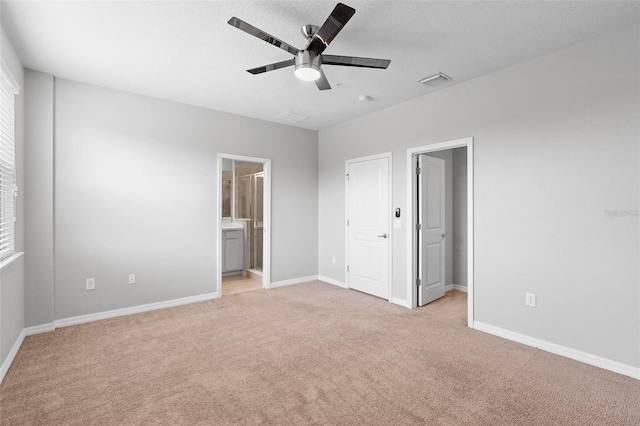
{"x": 271, "y": 67}
{"x": 322, "y": 82}
{"x": 250, "y": 29}
{"x": 330, "y": 29}
{"x": 353, "y": 61}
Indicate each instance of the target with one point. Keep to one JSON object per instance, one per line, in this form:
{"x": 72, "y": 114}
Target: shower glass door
{"x": 249, "y": 209}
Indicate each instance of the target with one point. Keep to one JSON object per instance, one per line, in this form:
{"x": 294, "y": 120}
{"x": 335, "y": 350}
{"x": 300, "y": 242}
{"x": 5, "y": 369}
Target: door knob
{"x": 383, "y": 236}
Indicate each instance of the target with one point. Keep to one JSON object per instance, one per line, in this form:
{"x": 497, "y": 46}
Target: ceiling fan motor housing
{"x": 307, "y": 60}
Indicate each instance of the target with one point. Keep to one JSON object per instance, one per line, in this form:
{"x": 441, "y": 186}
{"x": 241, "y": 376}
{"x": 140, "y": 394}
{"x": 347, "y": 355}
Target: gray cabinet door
{"x": 233, "y": 250}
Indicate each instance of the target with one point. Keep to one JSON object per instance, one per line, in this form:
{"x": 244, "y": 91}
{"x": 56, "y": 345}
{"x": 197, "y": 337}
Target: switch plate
{"x": 132, "y": 278}
{"x": 333, "y": 260}
{"x": 530, "y": 299}
{"x": 397, "y": 223}
{"x": 90, "y": 284}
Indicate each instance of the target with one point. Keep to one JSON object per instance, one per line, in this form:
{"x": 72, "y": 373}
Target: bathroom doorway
{"x": 243, "y": 242}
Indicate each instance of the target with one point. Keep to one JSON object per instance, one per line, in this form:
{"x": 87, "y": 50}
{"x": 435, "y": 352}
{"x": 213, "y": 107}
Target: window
{"x": 8, "y": 190}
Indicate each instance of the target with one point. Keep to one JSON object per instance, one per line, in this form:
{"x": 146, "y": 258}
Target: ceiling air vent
{"x": 436, "y": 78}
{"x": 291, "y": 117}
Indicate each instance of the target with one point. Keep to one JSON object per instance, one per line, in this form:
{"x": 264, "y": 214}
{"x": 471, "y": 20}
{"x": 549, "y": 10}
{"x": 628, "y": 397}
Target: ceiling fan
{"x": 308, "y": 61}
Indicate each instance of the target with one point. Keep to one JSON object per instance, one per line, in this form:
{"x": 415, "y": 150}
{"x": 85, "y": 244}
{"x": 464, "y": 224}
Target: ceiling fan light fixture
{"x": 307, "y": 65}
{"x": 307, "y": 73}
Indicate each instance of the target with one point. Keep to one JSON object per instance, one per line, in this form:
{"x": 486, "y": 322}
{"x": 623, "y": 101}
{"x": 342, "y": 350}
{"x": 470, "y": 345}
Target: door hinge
{"x": 418, "y": 282}
{"x": 418, "y": 227}
{"x": 347, "y": 268}
{"x": 418, "y": 170}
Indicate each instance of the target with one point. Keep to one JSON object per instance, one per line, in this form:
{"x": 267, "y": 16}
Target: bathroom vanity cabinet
{"x": 232, "y": 251}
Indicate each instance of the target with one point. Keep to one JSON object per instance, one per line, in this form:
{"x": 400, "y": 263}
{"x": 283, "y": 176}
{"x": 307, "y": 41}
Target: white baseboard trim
{"x": 37, "y": 329}
{"x": 65, "y": 322}
{"x": 394, "y": 300}
{"x": 449, "y": 287}
{"x": 11, "y": 355}
{"x": 400, "y": 302}
{"x": 332, "y": 281}
{"x": 293, "y": 281}
{"x": 587, "y": 358}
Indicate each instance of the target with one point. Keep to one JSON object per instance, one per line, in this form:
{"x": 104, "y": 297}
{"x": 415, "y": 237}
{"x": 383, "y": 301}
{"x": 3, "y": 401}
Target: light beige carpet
{"x": 304, "y": 354}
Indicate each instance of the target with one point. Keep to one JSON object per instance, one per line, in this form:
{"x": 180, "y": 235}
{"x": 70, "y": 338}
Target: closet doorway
{"x": 425, "y": 266}
{"x": 243, "y": 228}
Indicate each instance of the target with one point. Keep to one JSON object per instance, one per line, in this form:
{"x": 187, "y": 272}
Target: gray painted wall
{"x": 39, "y": 202}
{"x": 12, "y": 276}
{"x": 11, "y": 305}
{"x": 556, "y": 144}
{"x": 136, "y": 192}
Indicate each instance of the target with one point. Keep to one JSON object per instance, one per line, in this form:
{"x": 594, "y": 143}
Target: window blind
{"x": 8, "y": 189}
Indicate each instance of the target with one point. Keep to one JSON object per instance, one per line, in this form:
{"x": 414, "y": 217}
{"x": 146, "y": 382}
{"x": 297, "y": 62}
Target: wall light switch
{"x": 132, "y": 278}
{"x": 397, "y": 223}
{"x": 333, "y": 259}
{"x": 90, "y": 284}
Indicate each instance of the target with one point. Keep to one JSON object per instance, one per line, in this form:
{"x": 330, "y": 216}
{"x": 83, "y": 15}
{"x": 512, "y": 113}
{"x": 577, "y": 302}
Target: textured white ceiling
{"x": 185, "y": 51}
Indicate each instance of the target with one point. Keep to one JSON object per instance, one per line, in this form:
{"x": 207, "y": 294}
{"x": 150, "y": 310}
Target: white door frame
{"x": 388, "y": 156}
{"x": 411, "y": 231}
{"x": 266, "y": 243}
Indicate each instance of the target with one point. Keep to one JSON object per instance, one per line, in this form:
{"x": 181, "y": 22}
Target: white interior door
{"x": 368, "y": 226}
{"x": 431, "y": 236}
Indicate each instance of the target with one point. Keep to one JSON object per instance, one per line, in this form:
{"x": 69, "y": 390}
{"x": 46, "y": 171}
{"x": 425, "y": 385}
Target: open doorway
{"x": 244, "y": 217}
{"x": 440, "y": 209}
{"x": 441, "y": 213}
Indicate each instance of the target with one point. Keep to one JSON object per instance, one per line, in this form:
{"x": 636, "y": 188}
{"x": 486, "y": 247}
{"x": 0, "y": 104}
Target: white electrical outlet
{"x": 530, "y": 300}
{"x": 91, "y": 284}
{"x": 132, "y": 278}
{"x": 333, "y": 260}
